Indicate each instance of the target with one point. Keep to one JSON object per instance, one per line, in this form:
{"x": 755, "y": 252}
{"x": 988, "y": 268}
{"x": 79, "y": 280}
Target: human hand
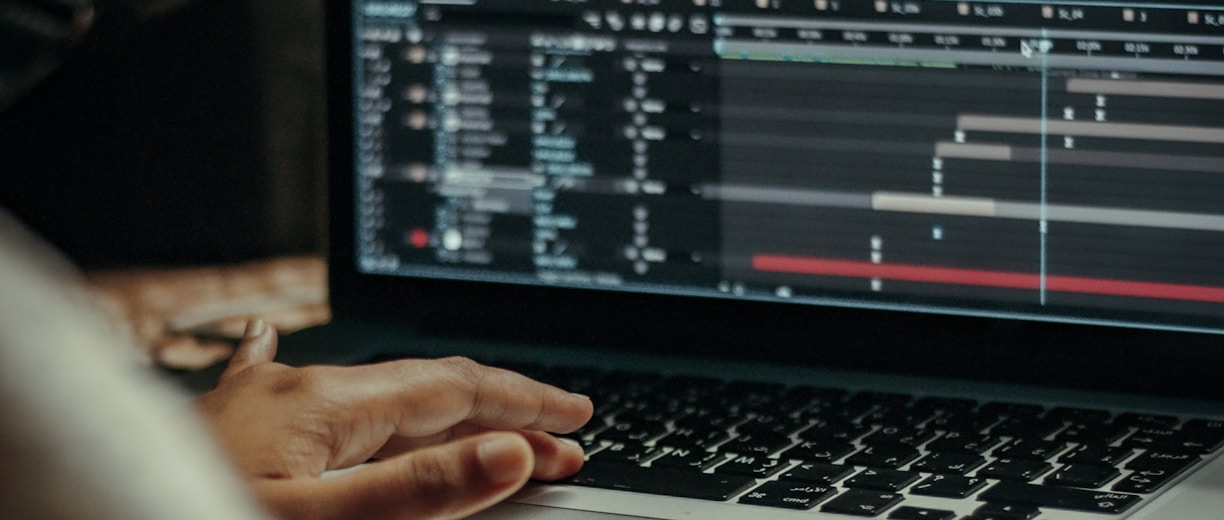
{"x": 453, "y": 436}
{"x": 188, "y": 317}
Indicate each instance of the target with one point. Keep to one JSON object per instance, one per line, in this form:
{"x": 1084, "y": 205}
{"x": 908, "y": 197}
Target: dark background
{"x": 193, "y": 136}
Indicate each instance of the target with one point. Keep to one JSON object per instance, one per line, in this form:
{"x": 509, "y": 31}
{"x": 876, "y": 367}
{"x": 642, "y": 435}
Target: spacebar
{"x": 660, "y": 481}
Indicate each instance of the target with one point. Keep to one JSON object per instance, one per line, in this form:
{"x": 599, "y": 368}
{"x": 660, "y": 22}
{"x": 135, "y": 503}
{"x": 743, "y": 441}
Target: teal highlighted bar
{"x": 389, "y": 9}
{"x": 838, "y": 61}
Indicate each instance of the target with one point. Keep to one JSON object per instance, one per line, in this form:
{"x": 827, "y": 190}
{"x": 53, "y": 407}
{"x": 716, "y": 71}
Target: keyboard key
{"x": 1153, "y": 437}
{"x": 882, "y": 479}
{"x": 702, "y": 419}
{"x": 1143, "y": 420}
{"x": 861, "y": 502}
{"x": 948, "y": 463}
{"x": 756, "y": 443}
{"x": 819, "y": 451}
{"x": 964, "y": 422}
{"x": 1083, "y": 475}
{"x": 753, "y": 391}
{"x": 1145, "y": 481}
{"x": 651, "y": 412}
{"x": 604, "y": 405}
{"x": 1019, "y": 470}
{"x": 948, "y": 486}
{"x": 1205, "y": 435}
{"x": 879, "y": 400}
{"x": 834, "y": 431}
{"x": 1160, "y": 461}
{"x": 589, "y": 446}
{"x": 756, "y": 466}
{"x": 1007, "y": 511}
{"x": 592, "y": 427}
{"x": 772, "y": 424}
{"x": 920, "y": 513}
{"x": 817, "y": 472}
{"x": 1003, "y": 409}
{"x": 810, "y": 401}
{"x": 897, "y": 436}
{"x": 789, "y": 495}
{"x": 632, "y": 429}
{"x": 959, "y": 442}
{"x": 660, "y": 481}
{"x": 903, "y": 418}
{"x": 1059, "y": 497}
{"x": 1030, "y": 449}
{"x": 691, "y": 458}
{"x": 944, "y": 405}
{"x": 1092, "y": 433}
{"x": 815, "y": 395}
{"x": 623, "y": 452}
{"x": 1167, "y": 439}
{"x": 1201, "y": 446}
{"x": 886, "y": 457}
{"x": 1027, "y": 427}
{"x": 1204, "y": 426}
{"x": 1078, "y": 415}
{"x": 696, "y": 438}
{"x": 1099, "y": 455}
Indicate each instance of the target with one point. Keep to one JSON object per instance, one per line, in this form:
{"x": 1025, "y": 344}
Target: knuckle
{"x": 463, "y": 366}
{"x": 467, "y": 374}
{"x": 472, "y": 381}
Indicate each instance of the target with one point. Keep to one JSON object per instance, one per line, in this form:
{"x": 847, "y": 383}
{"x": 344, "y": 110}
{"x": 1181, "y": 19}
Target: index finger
{"x": 424, "y": 397}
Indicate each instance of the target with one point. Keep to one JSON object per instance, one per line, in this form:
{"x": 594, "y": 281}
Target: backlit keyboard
{"x": 866, "y": 453}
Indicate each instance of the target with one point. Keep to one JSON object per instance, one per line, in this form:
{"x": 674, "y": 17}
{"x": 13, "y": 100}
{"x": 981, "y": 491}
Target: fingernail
{"x": 571, "y": 442}
{"x": 502, "y": 458}
{"x": 255, "y": 328}
{"x": 581, "y": 396}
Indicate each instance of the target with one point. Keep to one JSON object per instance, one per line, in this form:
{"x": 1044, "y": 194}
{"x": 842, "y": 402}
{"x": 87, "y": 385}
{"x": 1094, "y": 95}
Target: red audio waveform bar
{"x": 978, "y": 277}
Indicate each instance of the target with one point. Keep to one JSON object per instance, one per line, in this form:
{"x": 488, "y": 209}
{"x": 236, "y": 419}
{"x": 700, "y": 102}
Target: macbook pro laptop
{"x": 812, "y": 259}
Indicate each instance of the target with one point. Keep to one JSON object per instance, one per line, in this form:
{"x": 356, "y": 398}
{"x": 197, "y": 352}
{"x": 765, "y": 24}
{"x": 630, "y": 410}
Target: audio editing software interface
{"x": 1059, "y": 161}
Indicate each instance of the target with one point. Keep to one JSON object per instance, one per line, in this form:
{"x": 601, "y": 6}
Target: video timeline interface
{"x": 1054, "y": 160}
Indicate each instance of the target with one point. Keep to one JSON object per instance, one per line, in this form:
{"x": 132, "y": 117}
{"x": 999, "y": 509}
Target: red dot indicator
{"x": 419, "y": 238}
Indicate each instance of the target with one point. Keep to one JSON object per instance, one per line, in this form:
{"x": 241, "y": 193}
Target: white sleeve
{"x": 86, "y": 431}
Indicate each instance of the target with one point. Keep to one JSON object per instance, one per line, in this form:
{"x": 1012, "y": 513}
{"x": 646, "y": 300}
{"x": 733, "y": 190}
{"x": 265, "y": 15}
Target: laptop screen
{"x": 1044, "y": 161}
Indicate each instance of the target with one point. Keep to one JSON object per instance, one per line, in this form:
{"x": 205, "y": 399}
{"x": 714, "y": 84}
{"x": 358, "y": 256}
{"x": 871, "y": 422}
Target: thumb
{"x": 258, "y": 345}
{"x": 452, "y": 480}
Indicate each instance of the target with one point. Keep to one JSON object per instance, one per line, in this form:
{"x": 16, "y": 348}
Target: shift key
{"x": 675, "y": 482}
{"x": 1059, "y": 497}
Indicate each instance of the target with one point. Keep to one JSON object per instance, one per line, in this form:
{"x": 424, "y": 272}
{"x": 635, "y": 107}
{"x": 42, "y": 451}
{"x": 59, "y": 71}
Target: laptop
{"x": 822, "y": 259}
